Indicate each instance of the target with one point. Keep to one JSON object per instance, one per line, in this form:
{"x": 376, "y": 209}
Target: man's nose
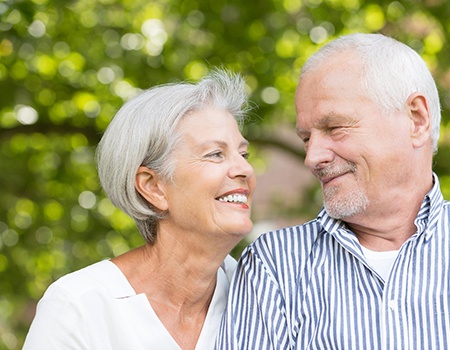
{"x": 318, "y": 151}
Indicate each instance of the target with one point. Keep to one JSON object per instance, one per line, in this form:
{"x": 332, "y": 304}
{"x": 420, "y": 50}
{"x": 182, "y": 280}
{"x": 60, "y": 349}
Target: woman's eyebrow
{"x": 221, "y": 143}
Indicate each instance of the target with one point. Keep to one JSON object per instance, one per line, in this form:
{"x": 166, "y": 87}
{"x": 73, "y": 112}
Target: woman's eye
{"x": 217, "y": 154}
{"x": 245, "y": 155}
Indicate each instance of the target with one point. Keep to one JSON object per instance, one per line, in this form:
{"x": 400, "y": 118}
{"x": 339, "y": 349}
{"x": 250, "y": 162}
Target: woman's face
{"x": 213, "y": 182}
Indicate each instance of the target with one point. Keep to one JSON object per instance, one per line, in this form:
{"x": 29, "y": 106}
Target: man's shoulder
{"x": 292, "y": 240}
{"x": 282, "y": 253}
{"x": 296, "y": 233}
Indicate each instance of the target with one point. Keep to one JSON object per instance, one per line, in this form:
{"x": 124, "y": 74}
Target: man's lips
{"x": 325, "y": 180}
{"x": 327, "y": 175}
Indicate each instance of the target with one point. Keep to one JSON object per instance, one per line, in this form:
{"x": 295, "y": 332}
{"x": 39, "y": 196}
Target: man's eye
{"x": 335, "y": 129}
{"x": 338, "y": 131}
{"x": 304, "y": 136}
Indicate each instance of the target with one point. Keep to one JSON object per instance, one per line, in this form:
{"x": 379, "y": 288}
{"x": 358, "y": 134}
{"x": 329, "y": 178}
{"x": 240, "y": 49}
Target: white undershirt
{"x": 381, "y": 262}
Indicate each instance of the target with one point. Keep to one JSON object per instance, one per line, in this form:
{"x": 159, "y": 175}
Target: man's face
{"x": 354, "y": 147}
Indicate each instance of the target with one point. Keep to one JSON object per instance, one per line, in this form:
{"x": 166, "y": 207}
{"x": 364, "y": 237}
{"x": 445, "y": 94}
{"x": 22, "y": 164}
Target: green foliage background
{"x": 67, "y": 66}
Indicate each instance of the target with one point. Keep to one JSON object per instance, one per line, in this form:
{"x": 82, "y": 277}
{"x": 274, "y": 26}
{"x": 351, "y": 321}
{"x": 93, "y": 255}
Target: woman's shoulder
{"x": 103, "y": 276}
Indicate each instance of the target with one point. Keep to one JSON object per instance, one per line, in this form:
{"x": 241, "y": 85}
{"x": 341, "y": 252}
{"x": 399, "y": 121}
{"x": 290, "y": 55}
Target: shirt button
{"x": 391, "y": 304}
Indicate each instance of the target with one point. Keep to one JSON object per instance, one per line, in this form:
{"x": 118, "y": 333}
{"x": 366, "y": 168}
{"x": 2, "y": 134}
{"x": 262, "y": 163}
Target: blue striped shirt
{"x": 310, "y": 287}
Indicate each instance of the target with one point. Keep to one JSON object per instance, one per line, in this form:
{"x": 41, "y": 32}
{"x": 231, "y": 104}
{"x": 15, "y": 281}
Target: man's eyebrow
{"x": 332, "y": 117}
{"x": 326, "y": 120}
{"x": 300, "y": 132}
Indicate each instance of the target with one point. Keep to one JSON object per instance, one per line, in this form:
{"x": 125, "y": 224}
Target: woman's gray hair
{"x": 144, "y": 132}
{"x": 392, "y": 72}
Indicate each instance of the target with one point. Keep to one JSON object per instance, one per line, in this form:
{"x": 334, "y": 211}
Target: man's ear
{"x": 150, "y": 187}
{"x": 420, "y": 130}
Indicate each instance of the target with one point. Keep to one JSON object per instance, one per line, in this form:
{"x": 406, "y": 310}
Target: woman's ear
{"x": 420, "y": 119}
{"x": 150, "y": 187}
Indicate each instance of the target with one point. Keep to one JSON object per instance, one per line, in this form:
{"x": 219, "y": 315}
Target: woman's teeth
{"x": 234, "y": 198}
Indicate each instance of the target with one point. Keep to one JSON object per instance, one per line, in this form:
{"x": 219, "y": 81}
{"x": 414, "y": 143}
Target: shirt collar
{"x": 430, "y": 209}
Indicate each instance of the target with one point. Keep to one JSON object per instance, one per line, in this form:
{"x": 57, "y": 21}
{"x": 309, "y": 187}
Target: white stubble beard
{"x": 343, "y": 205}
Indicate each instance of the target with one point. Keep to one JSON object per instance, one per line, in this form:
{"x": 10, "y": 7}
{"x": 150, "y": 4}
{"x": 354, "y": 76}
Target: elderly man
{"x": 372, "y": 271}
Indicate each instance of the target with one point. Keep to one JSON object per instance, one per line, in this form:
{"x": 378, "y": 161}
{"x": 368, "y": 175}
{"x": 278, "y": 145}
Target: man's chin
{"x": 345, "y": 208}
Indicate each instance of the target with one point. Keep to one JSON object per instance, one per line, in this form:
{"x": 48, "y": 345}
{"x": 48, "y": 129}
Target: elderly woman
{"x": 173, "y": 159}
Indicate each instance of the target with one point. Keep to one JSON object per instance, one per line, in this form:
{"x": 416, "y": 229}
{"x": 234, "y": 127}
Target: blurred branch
{"x": 94, "y": 136}
{"x": 91, "y": 133}
{"x": 276, "y": 142}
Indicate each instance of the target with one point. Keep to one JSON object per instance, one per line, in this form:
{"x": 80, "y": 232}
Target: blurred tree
{"x": 67, "y": 66}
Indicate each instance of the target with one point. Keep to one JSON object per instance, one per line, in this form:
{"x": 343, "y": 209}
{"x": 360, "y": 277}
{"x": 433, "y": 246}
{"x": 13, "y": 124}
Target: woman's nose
{"x": 241, "y": 167}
